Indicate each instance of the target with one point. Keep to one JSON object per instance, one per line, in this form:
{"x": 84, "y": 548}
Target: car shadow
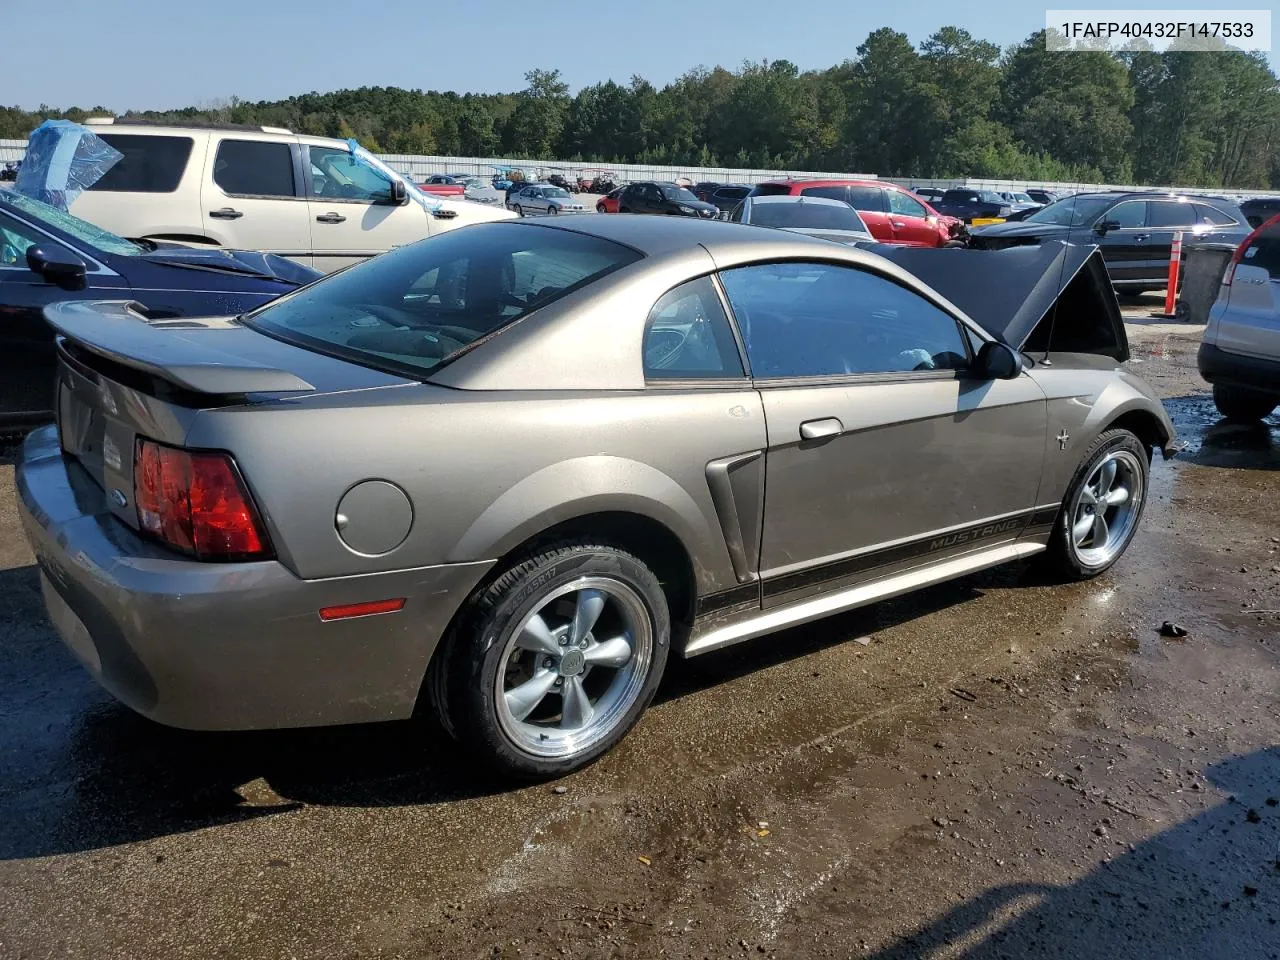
{"x": 79, "y": 771}
{"x": 1208, "y": 887}
{"x": 1212, "y": 440}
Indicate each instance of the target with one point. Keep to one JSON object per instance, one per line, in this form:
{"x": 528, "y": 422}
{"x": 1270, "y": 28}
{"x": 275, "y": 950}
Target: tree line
{"x": 955, "y": 106}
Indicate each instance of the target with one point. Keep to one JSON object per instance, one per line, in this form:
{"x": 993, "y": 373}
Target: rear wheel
{"x": 1104, "y": 502}
{"x": 519, "y": 210}
{"x": 555, "y": 660}
{"x": 1237, "y": 404}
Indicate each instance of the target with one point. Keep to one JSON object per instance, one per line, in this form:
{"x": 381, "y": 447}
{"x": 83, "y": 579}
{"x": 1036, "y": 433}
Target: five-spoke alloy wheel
{"x": 555, "y": 660}
{"x": 1102, "y": 507}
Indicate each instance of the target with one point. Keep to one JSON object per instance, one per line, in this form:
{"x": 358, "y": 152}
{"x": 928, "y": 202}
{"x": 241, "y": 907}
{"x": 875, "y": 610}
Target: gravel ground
{"x": 995, "y": 768}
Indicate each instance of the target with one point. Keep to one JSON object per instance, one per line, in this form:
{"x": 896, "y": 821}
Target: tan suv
{"x": 263, "y": 188}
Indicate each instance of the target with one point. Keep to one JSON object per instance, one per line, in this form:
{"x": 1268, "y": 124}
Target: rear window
{"x": 959, "y": 196}
{"x": 1169, "y": 213}
{"x": 149, "y": 164}
{"x": 770, "y": 189}
{"x": 807, "y": 216}
{"x": 1208, "y": 214}
{"x": 1264, "y": 251}
{"x": 417, "y": 307}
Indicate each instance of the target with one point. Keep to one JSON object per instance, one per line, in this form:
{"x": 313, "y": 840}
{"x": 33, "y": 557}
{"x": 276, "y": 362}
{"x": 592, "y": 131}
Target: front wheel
{"x": 555, "y": 660}
{"x": 1237, "y": 404}
{"x": 600, "y": 208}
{"x": 1104, "y": 502}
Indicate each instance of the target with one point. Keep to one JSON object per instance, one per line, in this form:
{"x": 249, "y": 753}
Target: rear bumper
{"x": 232, "y": 646}
{"x": 1237, "y": 370}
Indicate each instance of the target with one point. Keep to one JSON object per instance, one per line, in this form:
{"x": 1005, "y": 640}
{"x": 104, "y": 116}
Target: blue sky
{"x": 167, "y": 53}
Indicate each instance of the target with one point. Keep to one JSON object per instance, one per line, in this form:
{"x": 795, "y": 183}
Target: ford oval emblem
{"x": 118, "y": 498}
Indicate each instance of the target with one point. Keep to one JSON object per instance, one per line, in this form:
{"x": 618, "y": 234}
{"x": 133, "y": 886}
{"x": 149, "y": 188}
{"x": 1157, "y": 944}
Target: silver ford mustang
{"x": 504, "y": 472}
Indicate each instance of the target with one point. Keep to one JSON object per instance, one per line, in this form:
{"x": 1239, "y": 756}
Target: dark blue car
{"x": 47, "y": 255}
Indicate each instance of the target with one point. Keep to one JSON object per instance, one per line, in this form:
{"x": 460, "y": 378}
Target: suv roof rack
{"x": 193, "y": 124}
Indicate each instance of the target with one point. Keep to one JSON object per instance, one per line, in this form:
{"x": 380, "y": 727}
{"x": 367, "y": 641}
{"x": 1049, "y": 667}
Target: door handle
{"x": 897, "y": 224}
{"x": 1142, "y": 236}
{"x": 331, "y": 218}
{"x": 821, "y": 429}
{"x": 226, "y": 213}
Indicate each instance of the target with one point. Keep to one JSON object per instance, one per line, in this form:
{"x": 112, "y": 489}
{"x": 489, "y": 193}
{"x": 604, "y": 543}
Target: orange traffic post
{"x": 1175, "y": 265}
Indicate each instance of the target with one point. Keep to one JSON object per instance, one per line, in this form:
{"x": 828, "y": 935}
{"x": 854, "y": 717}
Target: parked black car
{"x": 1134, "y": 230}
{"x": 966, "y": 203}
{"x": 651, "y": 196}
{"x": 48, "y": 255}
{"x": 1258, "y": 210}
{"x": 563, "y": 182}
{"x": 723, "y": 196}
{"x": 930, "y": 195}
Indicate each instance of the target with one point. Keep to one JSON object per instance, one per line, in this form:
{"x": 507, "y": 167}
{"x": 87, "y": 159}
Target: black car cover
{"x": 1051, "y": 297}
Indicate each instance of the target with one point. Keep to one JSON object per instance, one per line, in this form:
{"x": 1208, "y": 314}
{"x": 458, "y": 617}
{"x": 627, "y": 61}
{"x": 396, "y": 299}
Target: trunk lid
{"x": 122, "y": 376}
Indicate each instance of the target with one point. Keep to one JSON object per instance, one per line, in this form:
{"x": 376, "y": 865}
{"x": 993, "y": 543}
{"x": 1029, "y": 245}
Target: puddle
{"x": 1213, "y": 441}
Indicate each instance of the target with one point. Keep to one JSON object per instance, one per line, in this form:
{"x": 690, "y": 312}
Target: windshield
{"x": 807, "y": 216}
{"x": 678, "y": 193}
{"x": 416, "y": 307}
{"x": 990, "y": 197}
{"x": 558, "y": 192}
{"x": 1072, "y": 212}
{"x": 81, "y": 230}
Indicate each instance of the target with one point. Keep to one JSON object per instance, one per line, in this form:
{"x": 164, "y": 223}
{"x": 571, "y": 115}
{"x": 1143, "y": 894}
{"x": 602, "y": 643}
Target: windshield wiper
{"x": 231, "y": 266}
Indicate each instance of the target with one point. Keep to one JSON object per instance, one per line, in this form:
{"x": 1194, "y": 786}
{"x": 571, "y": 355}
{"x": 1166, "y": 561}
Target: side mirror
{"x": 998, "y": 361}
{"x": 57, "y": 267}
{"x": 1103, "y": 226}
{"x": 399, "y": 193}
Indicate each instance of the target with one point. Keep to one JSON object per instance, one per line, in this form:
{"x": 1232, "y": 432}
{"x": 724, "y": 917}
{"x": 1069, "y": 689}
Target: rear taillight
{"x": 195, "y": 502}
{"x": 1244, "y": 246}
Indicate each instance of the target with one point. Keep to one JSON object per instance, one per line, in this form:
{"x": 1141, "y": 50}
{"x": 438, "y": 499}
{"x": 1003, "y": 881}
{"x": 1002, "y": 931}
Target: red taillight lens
{"x": 195, "y": 502}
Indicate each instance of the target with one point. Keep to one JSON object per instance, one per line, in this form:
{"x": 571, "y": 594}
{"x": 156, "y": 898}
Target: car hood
{"x": 700, "y": 205}
{"x": 1021, "y": 228}
{"x": 1015, "y": 293}
{"x": 248, "y": 263}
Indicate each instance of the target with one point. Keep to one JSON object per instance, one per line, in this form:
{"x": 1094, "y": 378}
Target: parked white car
{"x": 1240, "y": 350}
{"x": 543, "y": 198}
{"x": 312, "y": 199}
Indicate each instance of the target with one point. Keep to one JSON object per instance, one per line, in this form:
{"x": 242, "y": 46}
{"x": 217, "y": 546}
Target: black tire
{"x": 1237, "y": 404}
{"x": 464, "y": 673}
{"x": 600, "y": 208}
{"x": 1063, "y": 560}
{"x": 519, "y": 210}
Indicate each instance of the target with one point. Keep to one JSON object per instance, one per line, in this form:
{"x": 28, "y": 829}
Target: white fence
{"x": 419, "y": 167}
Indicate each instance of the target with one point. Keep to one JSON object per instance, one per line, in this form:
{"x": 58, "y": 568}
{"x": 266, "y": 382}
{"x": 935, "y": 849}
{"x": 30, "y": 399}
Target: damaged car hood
{"x": 1051, "y": 297}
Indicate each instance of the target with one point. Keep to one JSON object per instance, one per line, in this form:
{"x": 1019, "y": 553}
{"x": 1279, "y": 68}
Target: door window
{"x": 867, "y": 198}
{"x": 337, "y": 175}
{"x": 1166, "y": 213}
{"x": 906, "y": 205}
{"x": 1132, "y": 213}
{"x": 688, "y": 336}
{"x": 819, "y": 320}
{"x": 830, "y": 193}
{"x": 254, "y": 168}
{"x": 15, "y": 238}
{"x": 149, "y": 164}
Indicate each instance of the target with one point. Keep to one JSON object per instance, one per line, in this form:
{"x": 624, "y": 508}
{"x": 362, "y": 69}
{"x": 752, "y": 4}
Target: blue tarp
{"x": 63, "y": 160}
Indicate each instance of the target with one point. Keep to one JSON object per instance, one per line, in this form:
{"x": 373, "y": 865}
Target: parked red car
{"x": 442, "y": 185}
{"x": 609, "y": 202}
{"x": 892, "y": 214}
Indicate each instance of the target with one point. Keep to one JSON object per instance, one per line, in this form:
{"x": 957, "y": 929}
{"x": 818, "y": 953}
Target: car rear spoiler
{"x": 1046, "y": 297}
{"x": 178, "y": 351}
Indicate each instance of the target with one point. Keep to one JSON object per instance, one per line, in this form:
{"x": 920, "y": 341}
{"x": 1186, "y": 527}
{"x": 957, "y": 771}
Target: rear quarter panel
{"x": 486, "y": 471}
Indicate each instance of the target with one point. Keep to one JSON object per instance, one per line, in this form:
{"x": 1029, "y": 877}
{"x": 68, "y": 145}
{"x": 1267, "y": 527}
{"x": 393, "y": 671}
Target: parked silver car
{"x": 543, "y": 198}
{"x": 821, "y": 217}
{"x": 1240, "y": 349}
{"x": 508, "y": 470}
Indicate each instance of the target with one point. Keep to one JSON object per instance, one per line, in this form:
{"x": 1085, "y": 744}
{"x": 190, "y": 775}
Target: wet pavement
{"x": 995, "y": 767}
